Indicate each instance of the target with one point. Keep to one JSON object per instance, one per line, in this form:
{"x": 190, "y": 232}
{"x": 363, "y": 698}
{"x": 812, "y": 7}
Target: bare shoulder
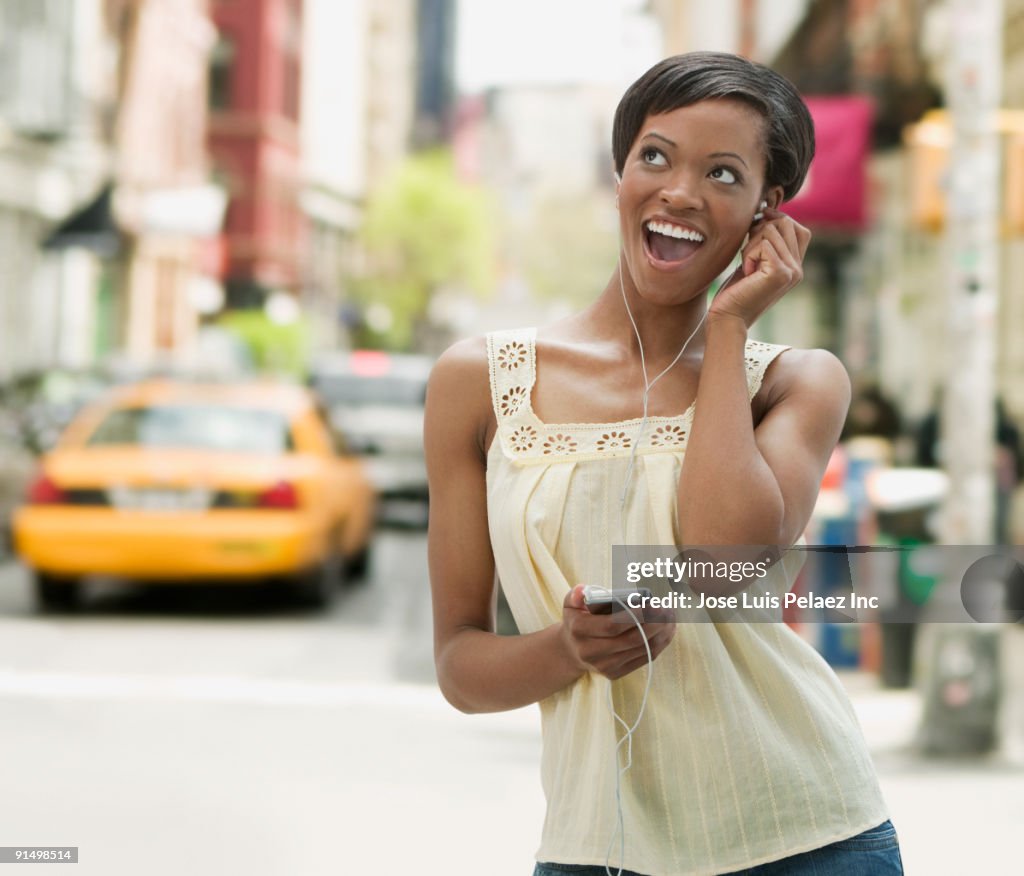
{"x": 464, "y": 360}
{"x": 813, "y": 378}
{"x": 458, "y": 391}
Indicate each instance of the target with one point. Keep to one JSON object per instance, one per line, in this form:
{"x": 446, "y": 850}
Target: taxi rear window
{"x": 239, "y": 430}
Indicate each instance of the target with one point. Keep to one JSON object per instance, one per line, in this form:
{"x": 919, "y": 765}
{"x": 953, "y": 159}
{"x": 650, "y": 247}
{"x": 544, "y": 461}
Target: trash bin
{"x": 904, "y": 501}
{"x": 962, "y": 693}
{"x": 898, "y": 621}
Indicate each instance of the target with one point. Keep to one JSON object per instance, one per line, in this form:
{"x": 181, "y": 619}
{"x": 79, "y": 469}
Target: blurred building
{"x": 163, "y": 200}
{"x": 558, "y": 232}
{"x": 312, "y": 104}
{"x": 377, "y": 83}
{"x": 435, "y": 73}
{"x": 544, "y": 149}
{"x": 519, "y": 127}
{"x": 54, "y": 105}
{"x": 409, "y": 83}
{"x": 753, "y": 28}
{"x": 334, "y": 156}
{"x": 1011, "y": 351}
{"x": 255, "y": 96}
{"x": 902, "y": 63}
{"x": 1013, "y": 51}
{"x": 103, "y": 120}
{"x": 390, "y": 85}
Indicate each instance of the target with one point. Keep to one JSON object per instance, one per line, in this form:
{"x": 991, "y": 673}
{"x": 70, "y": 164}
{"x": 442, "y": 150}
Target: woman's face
{"x": 691, "y": 184}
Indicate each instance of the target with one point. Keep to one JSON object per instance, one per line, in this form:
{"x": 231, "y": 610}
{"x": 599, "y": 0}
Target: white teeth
{"x": 675, "y": 231}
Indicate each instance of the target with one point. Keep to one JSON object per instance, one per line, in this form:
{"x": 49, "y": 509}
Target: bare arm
{"x": 745, "y": 486}
{"x": 740, "y": 485}
{"x": 479, "y": 671}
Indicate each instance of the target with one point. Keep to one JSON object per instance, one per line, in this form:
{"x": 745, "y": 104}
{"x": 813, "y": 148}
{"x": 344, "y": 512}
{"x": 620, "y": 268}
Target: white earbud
{"x": 759, "y": 215}
{"x": 618, "y": 178}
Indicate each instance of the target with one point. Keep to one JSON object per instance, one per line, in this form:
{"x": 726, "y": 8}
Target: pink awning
{"x": 834, "y": 196}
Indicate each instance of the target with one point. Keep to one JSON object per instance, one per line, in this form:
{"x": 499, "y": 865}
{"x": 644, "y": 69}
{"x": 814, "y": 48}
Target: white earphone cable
{"x": 627, "y": 738}
{"x": 648, "y": 386}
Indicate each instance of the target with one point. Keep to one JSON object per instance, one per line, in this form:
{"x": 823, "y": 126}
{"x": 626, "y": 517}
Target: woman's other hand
{"x": 611, "y": 644}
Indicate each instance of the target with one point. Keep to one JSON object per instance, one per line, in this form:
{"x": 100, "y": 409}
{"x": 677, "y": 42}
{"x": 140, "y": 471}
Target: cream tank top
{"x": 749, "y": 750}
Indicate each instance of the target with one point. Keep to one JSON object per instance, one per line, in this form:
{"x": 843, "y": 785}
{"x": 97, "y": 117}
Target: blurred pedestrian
{"x": 545, "y": 447}
{"x": 872, "y": 414}
{"x": 873, "y": 427}
{"x": 1009, "y": 459}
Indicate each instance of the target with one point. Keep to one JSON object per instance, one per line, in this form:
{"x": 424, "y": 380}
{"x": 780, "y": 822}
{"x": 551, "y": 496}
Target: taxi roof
{"x": 286, "y": 398}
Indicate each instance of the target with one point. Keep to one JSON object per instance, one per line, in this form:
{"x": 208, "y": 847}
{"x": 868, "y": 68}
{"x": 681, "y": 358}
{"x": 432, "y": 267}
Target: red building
{"x": 255, "y": 146}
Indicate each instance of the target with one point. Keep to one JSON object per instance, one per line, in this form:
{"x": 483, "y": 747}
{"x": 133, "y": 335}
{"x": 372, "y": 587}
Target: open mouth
{"x": 670, "y": 244}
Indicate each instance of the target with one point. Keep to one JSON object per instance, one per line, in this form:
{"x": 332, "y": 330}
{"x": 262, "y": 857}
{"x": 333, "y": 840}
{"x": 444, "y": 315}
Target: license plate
{"x": 152, "y": 499}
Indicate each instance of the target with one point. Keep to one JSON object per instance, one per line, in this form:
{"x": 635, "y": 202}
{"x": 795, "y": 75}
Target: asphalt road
{"x": 218, "y": 731}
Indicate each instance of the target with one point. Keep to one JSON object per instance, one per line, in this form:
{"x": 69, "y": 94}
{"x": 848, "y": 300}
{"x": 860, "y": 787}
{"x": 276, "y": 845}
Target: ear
{"x": 773, "y": 196}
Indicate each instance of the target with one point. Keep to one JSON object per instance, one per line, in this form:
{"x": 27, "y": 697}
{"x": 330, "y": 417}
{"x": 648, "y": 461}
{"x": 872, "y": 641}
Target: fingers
{"x": 788, "y": 229}
{"x": 772, "y": 256}
{"x": 614, "y": 649}
{"x": 574, "y": 598}
{"x": 771, "y": 264}
{"x": 796, "y": 238}
{"x": 612, "y": 644}
{"x": 792, "y": 238}
{"x": 629, "y": 661}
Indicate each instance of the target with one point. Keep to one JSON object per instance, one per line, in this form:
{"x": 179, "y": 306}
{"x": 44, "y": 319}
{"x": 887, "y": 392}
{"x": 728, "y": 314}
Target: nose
{"x": 682, "y": 190}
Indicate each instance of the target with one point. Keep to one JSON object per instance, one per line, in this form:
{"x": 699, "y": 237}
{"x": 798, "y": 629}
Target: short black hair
{"x": 683, "y": 80}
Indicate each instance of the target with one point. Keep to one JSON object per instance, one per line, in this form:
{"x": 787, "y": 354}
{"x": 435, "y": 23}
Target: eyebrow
{"x": 658, "y": 136}
{"x": 672, "y": 143}
{"x": 728, "y": 155}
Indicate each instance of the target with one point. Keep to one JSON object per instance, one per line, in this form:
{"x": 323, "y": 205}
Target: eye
{"x": 650, "y": 155}
{"x": 726, "y": 175}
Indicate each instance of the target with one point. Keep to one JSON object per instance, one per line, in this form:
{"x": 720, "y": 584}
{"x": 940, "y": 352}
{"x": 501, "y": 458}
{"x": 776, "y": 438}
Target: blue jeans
{"x": 876, "y": 852}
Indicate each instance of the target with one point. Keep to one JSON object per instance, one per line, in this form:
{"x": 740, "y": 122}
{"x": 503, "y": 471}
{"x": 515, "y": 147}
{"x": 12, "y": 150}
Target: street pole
{"x": 965, "y": 722}
{"x": 972, "y": 231}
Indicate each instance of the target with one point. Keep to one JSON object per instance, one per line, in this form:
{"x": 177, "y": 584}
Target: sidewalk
{"x": 954, "y": 816}
{"x": 889, "y": 718}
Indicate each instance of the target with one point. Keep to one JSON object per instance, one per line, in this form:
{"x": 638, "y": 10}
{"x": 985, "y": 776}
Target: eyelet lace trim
{"x": 669, "y": 436}
{"x": 511, "y": 355}
{"x": 512, "y": 363}
{"x": 613, "y": 441}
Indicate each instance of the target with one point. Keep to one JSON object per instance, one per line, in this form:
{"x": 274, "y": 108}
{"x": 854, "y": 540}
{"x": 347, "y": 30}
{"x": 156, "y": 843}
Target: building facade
{"x": 334, "y": 160}
{"x": 163, "y": 201}
{"x": 54, "y": 156}
{"x": 255, "y": 145}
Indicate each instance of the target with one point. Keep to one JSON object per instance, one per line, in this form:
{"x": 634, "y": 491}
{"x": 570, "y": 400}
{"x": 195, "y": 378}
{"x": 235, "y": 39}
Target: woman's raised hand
{"x": 771, "y": 265}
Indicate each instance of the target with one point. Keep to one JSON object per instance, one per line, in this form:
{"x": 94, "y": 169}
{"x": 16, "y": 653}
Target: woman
{"x": 543, "y": 451}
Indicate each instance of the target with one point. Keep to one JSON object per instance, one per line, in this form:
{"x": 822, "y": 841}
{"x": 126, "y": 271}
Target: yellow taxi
{"x": 177, "y": 482}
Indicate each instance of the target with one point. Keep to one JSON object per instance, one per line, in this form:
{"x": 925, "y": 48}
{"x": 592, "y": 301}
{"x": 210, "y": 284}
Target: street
{"x": 230, "y": 732}
{"x": 172, "y": 732}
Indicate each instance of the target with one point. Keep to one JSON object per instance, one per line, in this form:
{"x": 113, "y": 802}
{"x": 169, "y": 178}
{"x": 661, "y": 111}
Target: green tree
{"x": 275, "y": 348}
{"x": 423, "y": 231}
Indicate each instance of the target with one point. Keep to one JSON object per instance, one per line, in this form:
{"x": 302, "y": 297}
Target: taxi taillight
{"x": 43, "y": 491}
{"x": 280, "y": 496}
